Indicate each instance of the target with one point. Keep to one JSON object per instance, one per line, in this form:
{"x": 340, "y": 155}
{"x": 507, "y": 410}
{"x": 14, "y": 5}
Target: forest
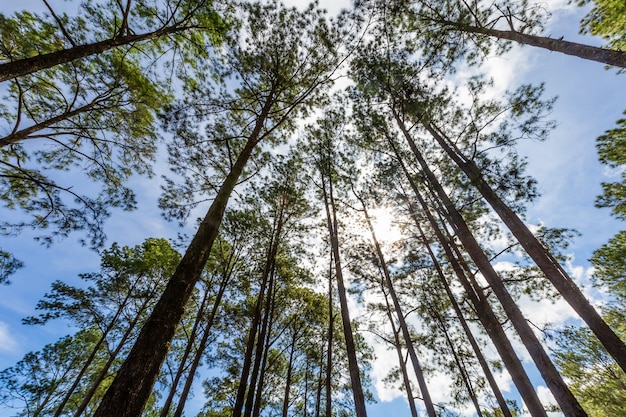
{"x": 249, "y": 208}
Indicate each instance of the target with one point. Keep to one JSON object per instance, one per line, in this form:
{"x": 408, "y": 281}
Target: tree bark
{"x": 564, "y": 397}
{"x": 591, "y": 53}
{"x": 266, "y": 281}
{"x": 129, "y": 392}
{"x": 555, "y": 273}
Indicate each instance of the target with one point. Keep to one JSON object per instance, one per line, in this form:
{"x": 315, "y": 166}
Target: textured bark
{"x": 564, "y": 397}
{"x": 485, "y": 314}
{"x": 592, "y": 53}
{"x": 544, "y": 260}
{"x": 131, "y": 388}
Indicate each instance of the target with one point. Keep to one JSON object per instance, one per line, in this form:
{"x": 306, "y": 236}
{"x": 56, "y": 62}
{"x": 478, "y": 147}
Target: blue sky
{"x": 590, "y": 100}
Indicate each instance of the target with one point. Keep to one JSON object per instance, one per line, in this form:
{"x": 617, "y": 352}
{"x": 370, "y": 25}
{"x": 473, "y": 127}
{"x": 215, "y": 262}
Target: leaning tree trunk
{"x": 468, "y": 333}
{"x": 542, "y": 257}
{"x": 401, "y": 361}
{"x": 355, "y": 377}
{"x": 203, "y": 343}
{"x": 485, "y": 314}
{"x": 129, "y": 392}
{"x": 165, "y": 409}
{"x": 417, "y": 368}
{"x": 564, "y": 397}
{"x": 267, "y": 279}
{"x": 442, "y": 324}
{"x": 36, "y": 63}
{"x": 96, "y": 348}
{"x": 592, "y": 53}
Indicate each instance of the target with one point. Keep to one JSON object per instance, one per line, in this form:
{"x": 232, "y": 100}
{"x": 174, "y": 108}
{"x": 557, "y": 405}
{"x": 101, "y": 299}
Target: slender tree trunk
{"x": 564, "y": 397}
{"x": 468, "y": 333}
{"x": 355, "y": 378}
{"x": 36, "y": 63}
{"x": 288, "y": 380}
{"x": 94, "y": 351}
{"x": 592, "y": 53}
{"x": 165, "y": 409}
{"x": 266, "y": 281}
{"x": 129, "y": 392}
{"x": 401, "y": 361}
{"x": 485, "y": 314}
{"x": 544, "y": 260}
{"x": 443, "y": 326}
{"x": 86, "y": 398}
{"x": 263, "y": 366}
{"x": 203, "y": 343}
{"x": 329, "y": 348}
{"x": 417, "y": 368}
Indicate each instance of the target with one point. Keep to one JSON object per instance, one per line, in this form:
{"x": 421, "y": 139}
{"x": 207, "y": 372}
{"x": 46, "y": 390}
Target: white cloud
{"x": 7, "y": 342}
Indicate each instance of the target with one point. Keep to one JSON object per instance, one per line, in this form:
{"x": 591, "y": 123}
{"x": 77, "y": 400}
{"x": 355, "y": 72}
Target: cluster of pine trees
{"x": 254, "y": 315}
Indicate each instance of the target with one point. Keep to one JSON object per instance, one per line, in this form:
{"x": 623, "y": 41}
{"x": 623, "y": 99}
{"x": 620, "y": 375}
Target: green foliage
{"x": 607, "y": 18}
{"x": 597, "y": 381}
{"x": 610, "y": 266}
{"x": 612, "y": 152}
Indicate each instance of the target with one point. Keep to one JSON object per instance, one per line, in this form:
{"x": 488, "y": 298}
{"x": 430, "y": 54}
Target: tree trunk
{"x": 203, "y": 342}
{"x": 93, "y": 353}
{"x": 129, "y": 392}
{"x": 36, "y": 63}
{"x": 86, "y": 398}
{"x": 544, "y": 260}
{"x": 468, "y": 333}
{"x": 592, "y": 53}
{"x": 443, "y": 326}
{"x": 268, "y": 274}
{"x": 329, "y": 349}
{"x": 288, "y": 381}
{"x": 355, "y": 378}
{"x": 417, "y": 368}
{"x": 183, "y": 361}
{"x": 401, "y": 362}
{"x": 485, "y": 314}
{"x": 266, "y": 333}
{"x": 566, "y": 400}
